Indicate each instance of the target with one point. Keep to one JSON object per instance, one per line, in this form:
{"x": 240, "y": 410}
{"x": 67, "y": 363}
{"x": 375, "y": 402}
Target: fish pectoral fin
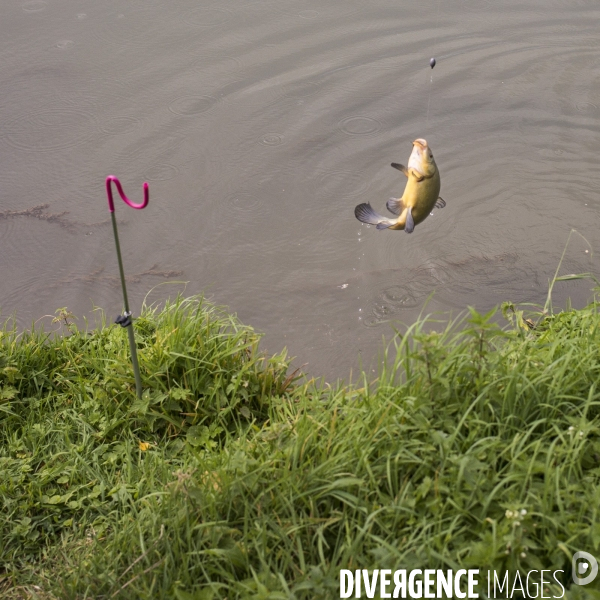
{"x": 400, "y": 168}
{"x": 365, "y": 214}
{"x": 410, "y": 223}
{"x": 395, "y": 205}
{"x": 440, "y": 203}
{"x": 418, "y": 176}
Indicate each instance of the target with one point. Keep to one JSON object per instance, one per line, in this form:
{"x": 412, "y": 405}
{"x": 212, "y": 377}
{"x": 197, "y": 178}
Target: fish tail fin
{"x": 365, "y": 214}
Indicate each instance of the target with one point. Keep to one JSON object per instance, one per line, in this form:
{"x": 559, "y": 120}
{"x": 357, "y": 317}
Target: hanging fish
{"x": 421, "y": 194}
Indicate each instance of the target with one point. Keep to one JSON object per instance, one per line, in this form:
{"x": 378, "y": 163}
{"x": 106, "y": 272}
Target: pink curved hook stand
{"x": 111, "y": 204}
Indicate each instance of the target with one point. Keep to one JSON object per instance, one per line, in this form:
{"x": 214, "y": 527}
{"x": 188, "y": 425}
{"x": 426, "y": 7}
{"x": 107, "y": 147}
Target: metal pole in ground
{"x": 126, "y": 320}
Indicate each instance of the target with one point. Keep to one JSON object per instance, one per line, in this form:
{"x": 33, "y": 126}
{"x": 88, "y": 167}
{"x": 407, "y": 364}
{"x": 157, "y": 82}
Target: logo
{"x": 584, "y": 564}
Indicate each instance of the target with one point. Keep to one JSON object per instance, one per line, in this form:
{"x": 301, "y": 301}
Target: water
{"x": 261, "y": 124}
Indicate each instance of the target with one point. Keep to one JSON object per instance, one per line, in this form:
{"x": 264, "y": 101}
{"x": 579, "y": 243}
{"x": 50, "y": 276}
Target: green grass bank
{"x": 474, "y": 447}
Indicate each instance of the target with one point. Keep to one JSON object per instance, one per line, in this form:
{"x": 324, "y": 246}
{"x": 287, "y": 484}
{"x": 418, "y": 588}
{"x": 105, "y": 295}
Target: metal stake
{"x": 125, "y": 320}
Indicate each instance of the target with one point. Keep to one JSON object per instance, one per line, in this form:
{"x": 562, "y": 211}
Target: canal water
{"x": 260, "y": 124}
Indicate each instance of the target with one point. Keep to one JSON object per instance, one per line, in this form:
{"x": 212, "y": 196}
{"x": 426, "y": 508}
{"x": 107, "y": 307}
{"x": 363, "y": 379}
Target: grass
{"x": 478, "y": 448}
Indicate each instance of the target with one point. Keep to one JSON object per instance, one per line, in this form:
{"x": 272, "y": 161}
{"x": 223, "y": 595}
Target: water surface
{"x": 261, "y": 124}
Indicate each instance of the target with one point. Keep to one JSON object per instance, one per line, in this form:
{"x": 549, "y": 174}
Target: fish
{"x": 420, "y": 197}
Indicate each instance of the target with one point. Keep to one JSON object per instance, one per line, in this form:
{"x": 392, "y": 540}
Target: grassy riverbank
{"x": 230, "y": 479}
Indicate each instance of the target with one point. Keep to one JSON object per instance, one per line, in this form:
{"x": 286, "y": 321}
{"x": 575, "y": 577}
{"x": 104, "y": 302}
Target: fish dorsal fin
{"x": 440, "y": 203}
{"x": 395, "y": 205}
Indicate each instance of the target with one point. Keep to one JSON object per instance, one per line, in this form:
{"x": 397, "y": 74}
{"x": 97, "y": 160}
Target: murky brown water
{"x": 261, "y": 124}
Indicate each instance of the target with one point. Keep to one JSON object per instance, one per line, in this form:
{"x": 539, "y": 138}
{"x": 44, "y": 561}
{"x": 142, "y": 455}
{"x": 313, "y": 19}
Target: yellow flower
{"x": 144, "y": 446}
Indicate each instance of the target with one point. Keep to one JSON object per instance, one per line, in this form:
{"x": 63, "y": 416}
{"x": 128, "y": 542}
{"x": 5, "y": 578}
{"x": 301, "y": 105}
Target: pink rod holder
{"x": 126, "y": 319}
{"x": 111, "y": 204}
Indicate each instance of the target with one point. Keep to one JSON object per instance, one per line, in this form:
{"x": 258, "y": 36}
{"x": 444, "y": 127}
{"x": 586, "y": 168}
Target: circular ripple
{"x": 360, "y": 125}
{"x": 65, "y": 44}
{"x": 161, "y": 172}
{"x": 244, "y": 201}
{"x": 209, "y": 17}
{"x": 120, "y": 125}
{"x": 50, "y": 129}
{"x": 428, "y": 279}
{"x": 308, "y": 14}
{"x": 384, "y": 307}
{"x": 218, "y": 64}
{"x": 300, "y": 89}
{"x": 373, "y": 321}
{"x": 191, "y": 105}
{"x": 383, "y": 311}
{"x": 272, "y": 139}
{"x": 399, "y": 297}
{"x": 35, "y": 6}
{"x": 586, "y": 107}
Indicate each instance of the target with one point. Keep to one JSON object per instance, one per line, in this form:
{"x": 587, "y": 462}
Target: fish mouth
{"x": 420, "y": 142}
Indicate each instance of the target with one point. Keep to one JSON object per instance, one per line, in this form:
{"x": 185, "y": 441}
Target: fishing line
{"x": 432, "y": 64}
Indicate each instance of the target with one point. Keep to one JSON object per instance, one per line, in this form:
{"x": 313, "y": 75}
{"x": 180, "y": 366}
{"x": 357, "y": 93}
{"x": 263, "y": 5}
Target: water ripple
{"x": 35, "y": 6}
{"x": 300, "y": 89}
{"x": 161, "y": 172}
{"x": 308, "y": 14}
{"x": 586, "y": 107}
{"x": 121, "y": 125}
{"x": 51, "y": 129}
{"x": 360, "y": 125}
{"x": 245, "y": 201}
{"x": 188, "y": 106}
{"x": 209, "y": 17}
{"x": 272, "y": 139}
{"x": 455, "y": 284}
